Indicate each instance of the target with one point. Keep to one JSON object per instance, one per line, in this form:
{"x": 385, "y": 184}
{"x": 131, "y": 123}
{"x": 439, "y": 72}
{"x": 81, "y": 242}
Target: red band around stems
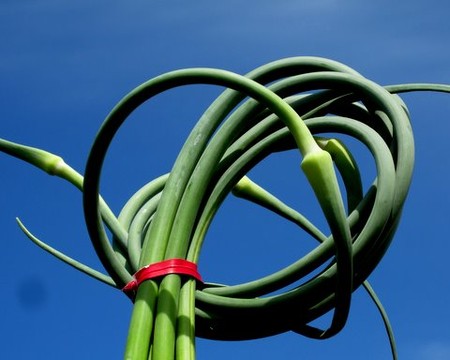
{"x": 165, "y": 267}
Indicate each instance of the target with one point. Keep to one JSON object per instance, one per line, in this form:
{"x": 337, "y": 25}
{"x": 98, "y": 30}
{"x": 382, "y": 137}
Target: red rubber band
{"x": 162, "y": 268}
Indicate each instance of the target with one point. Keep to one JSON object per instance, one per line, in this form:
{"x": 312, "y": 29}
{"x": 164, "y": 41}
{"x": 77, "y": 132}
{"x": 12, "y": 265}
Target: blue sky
{"x": 64, "y": 65}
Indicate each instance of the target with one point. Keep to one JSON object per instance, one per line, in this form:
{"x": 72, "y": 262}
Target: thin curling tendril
{"x": 293, "y": 103}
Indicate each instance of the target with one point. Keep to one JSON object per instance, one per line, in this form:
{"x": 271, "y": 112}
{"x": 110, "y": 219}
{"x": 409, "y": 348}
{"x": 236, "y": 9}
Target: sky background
{"x": 65, "y": 64}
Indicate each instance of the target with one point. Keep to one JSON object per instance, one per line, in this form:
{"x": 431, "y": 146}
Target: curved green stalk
{"x": 55, "y": 165}
{"x": 251, "y": 191}
{"x": 68, "y": 260}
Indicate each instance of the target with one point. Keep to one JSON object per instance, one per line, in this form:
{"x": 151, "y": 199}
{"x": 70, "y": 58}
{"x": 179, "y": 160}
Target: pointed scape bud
{"x": 42, "y": 159}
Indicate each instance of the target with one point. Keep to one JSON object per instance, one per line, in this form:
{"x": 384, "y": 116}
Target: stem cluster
{"x": 288, "y": 104}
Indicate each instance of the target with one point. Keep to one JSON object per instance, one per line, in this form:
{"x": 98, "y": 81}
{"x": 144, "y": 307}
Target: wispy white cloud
{"x": 432, "y": 350}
